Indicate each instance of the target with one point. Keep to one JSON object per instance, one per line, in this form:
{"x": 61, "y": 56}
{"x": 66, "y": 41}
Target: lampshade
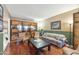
{"x": 70, "y": 21}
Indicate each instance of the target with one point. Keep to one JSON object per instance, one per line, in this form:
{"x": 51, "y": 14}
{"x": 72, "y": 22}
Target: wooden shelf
{"x": 14, "y": 30}
{"x": 16, "y": 22}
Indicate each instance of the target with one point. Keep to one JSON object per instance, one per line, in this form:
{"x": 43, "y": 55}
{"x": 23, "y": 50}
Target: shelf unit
{"x": 14, "y": 23}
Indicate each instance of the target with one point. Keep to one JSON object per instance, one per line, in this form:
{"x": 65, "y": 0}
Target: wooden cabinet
{"x": 76, "y": 30}
{"x": 14, "y": 30}
{"x": 15, "y": 22}
{"x": 13, "y": 25}
{"x": 29, "y": 23}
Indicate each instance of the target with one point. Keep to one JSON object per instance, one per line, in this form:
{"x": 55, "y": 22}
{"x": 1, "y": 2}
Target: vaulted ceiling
{"x": 38, "y": 11}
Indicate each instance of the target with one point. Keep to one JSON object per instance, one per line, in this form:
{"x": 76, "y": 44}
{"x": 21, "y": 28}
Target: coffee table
{"x": 39, "y": 44}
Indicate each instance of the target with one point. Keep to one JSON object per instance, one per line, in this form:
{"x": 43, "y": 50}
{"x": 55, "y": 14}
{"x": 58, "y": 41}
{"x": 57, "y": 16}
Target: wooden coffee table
{"x": 39, "y": 44}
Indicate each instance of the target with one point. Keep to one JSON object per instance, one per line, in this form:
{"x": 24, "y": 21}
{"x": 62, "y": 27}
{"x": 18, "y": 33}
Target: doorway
{"x": 76, "y": 30}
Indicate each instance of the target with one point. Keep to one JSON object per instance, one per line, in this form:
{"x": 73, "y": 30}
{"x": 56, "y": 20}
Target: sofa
{"x": 55, "y": 39}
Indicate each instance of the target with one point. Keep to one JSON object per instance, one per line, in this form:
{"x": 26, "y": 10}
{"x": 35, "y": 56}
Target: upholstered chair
{"x": 22, "y": 35}
{"x": 36, "y": 34}
{"x": 69, "y": 51}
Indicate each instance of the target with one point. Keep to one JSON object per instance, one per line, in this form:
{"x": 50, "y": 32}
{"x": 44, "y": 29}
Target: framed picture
{"x": 1, "y": 25}
{"x": 1, "y": 18}
{"x": 1, "y": 11}
{"x": 56, "y": 25}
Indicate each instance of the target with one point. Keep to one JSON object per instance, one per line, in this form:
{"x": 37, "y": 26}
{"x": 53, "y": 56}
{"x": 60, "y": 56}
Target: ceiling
{"x": 38, "y": 11}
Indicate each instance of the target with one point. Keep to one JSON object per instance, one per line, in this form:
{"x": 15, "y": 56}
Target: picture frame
{"x": 1, "y": 25}
{"x": 1, "y": 18}
{"x": 56, "y": 25}
{"x": 1, "y": 11}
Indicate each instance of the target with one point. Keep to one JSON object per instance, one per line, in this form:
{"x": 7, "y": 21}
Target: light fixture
{"x": 70, "y": 21}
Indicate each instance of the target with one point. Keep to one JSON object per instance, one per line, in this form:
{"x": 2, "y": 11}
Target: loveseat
{"x": 55, "y": 39}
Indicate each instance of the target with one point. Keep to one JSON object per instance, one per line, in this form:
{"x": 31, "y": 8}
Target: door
{"x": 76, "y": 30}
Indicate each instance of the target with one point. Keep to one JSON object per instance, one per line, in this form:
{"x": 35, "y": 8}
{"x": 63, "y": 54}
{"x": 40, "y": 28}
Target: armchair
{"x": 69, "y": 51}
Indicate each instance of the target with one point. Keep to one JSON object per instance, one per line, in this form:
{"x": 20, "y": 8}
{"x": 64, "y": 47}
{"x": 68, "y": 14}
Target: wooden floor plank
{"x": 24, "y": 49}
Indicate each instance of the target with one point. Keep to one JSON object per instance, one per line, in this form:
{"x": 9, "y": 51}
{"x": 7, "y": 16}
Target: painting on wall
{"x": 1, "y": 19}
{"x": 1, "y": 25}
{"x": 56, "y": 25}
{"x": 1, "y": 11}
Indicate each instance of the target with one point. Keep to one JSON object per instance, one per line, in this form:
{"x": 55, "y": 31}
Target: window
{"x": 33, "y": 27}
{"x": 19, "y": 27}
{"x": 25, "y": 28}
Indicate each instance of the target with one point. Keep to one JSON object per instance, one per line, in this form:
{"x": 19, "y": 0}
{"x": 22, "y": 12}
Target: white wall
{"x": 65, "y": 18}
{"x": 6, "y": 32}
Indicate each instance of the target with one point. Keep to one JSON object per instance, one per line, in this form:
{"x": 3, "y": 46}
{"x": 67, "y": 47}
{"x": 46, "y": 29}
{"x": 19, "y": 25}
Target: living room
{"x": 49, "y": 29}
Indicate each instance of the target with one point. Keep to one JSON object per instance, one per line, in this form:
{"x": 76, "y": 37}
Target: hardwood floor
{"x": 24, "y": 49}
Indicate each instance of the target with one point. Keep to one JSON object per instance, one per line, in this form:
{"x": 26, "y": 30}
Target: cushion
{"x": 56, "y": 36}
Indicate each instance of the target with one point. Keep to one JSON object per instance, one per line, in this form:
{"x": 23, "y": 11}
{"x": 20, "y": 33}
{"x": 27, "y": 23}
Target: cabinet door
{"x": 76, "y": 34}
{"x": 76, "y": 15}
{"x": 76, "y": 30}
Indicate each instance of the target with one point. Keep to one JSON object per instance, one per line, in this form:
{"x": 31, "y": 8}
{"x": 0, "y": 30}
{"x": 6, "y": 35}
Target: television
{"x": 1, "y": 25}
